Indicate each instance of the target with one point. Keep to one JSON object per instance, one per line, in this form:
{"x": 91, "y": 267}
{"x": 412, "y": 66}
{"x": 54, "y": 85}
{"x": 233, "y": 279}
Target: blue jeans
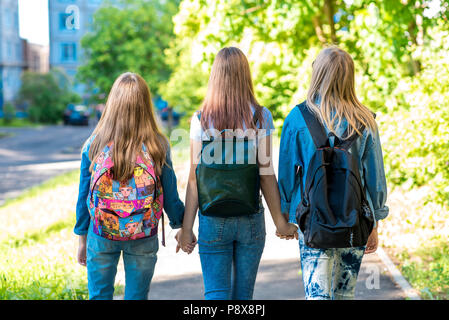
{"x": 230, "y": 250}
{"x": 139, "y": 257}
{"x": 329, "y": 274}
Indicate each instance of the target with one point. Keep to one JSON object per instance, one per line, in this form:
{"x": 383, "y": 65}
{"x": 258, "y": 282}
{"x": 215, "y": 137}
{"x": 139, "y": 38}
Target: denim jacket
{"x": 297, "y": 149}
{"x": 173, "y": 206}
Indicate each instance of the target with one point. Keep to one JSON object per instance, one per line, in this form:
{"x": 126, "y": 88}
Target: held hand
{"x": 373, "y": 242}
{"x": 287, "y": 231}
{"x": 186, "y": 241}
{"x": 82, "y": 251}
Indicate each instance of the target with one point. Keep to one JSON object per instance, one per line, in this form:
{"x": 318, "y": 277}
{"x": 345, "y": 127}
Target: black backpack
{"x": 231, "y": 187}
{"x": 333, "y": 212}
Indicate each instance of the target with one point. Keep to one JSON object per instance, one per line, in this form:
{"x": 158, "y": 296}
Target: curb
{"x": 409, "y": 292}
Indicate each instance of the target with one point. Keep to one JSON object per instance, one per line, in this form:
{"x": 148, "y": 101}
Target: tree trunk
{"x": 330, "y": 12}
{"x": 417, "y": 40}
{"x": 170, "y": 120}
{"x": 319, "y": 30}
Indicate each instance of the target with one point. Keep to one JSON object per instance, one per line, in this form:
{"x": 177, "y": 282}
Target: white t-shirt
{"x": 197, "y": 133}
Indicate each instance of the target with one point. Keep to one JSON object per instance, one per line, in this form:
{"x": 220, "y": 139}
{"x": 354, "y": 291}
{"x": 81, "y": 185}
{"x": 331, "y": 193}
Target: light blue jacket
{"x": 297, "y": 148}
{"x": 173, "y": 206}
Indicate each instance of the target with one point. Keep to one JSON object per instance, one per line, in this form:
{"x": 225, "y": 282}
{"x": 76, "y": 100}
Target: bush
{"x": 9, "y": 113}
{"x": 415, "y": 129}
{"x": 47, "y": 95}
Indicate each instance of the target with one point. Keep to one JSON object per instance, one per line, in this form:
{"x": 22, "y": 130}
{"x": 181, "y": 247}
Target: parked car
{"x": 165, "y": 115}
{"x": 76, "y": 114}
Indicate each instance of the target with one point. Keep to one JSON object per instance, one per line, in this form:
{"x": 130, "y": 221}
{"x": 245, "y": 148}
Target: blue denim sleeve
{"x": 288, "y": 161}
{"x": 374, "y": 176}
{"x": 173, "y": 206}
{"x": 267, "y": 124}
{"x": 82, "y": 212}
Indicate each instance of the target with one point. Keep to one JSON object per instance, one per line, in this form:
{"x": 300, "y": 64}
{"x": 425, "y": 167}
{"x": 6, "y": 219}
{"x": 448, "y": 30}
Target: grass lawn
{"x": 416, "y": 236}
{"x": 38, "y": 246}
{"x": 17, "y": 123}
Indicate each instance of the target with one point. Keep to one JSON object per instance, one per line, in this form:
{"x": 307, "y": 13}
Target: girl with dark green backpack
{"x": 230, "y": 163}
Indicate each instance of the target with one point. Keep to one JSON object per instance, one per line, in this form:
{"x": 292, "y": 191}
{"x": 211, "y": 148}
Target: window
{"x": 9, "y": 49}
{"x": 63, "y": 21}
{"x": 8, "y": 16}
{"x": 68, "y": 52}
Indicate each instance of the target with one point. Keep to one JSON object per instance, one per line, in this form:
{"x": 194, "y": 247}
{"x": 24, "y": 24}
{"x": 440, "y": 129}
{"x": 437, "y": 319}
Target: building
{"x": 36, "y": 57}
{"x": 11, "y": 52}
{"x": 69, "y": 20}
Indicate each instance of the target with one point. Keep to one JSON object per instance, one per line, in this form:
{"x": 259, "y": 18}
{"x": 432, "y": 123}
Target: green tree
{"x": 130, "y": 35}
{"x": 280, "y": 36}
{"x": 46, "y": 95}
{"x": 9, "y": 113}
{"x": 398, "y": 46}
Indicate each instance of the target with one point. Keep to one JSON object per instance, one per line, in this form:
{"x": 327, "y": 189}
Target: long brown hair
{"x": 333, "y": 81}
{"x": 230, "y": 93}
{"x": 128, "y": 121}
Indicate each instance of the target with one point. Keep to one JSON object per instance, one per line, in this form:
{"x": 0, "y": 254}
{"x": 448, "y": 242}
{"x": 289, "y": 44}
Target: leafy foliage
{"x": 416, "y": 130}
{"x": 9, "y": 113}
{"x": 130, "y": 35}
{"x": 398, "y": 48}
{"x": 47, "y": 95}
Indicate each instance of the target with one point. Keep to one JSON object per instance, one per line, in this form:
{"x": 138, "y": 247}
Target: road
{"x": 30, "y": 156}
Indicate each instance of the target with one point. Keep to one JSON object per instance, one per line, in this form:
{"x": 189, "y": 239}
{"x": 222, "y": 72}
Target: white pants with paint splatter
{"x": 329, "y": 274}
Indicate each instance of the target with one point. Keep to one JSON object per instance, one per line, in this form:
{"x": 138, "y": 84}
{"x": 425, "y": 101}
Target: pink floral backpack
{"x": 125, "y": 210}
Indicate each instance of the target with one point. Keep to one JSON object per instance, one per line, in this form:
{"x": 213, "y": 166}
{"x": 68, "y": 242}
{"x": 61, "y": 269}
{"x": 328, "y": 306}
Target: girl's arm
{"x": 186, "y": 237}
{"x": 289, "y": 161}
{"x": 376, "y": 186}
{"x": 374, "y": 176}
{"x": 82, "y": 212}
{"x": 270, "y": 189}
{"x": 173, "y": 206}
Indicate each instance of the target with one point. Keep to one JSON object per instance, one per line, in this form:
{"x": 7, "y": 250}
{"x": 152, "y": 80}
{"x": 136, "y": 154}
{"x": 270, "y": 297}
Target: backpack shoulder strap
{"x": 316, "y": 129}
{"x": 346, "y": 144}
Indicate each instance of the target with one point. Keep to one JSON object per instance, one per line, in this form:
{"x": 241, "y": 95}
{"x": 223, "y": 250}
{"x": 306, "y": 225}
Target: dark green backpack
{"x": 227, "y": 177}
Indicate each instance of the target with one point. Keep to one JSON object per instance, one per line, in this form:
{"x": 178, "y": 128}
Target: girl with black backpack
{"x": 226, "y": 175}
{"x": 331, "y": 178}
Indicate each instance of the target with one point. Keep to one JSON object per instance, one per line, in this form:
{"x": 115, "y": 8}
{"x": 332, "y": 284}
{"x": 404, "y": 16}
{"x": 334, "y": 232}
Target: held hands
{"x": 186, "y": 241}
{"x": 286, "y": 230}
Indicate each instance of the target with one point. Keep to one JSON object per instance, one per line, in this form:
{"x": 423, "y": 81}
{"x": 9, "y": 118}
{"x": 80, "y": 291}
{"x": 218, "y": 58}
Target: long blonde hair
{"x": 128, "y": 121}
{"x": 333, "y": 83}
{"x": 230, "y": 93}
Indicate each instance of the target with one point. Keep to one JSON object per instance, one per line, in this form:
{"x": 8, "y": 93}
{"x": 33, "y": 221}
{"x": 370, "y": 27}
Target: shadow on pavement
{"x": 279, "y": 280}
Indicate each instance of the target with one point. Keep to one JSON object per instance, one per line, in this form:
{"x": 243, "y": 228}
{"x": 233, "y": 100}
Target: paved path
{"x": 32, "y": 155}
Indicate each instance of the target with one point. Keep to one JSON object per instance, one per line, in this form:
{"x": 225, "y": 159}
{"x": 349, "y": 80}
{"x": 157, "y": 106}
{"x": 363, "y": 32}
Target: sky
{"x": 33, "y": 20}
